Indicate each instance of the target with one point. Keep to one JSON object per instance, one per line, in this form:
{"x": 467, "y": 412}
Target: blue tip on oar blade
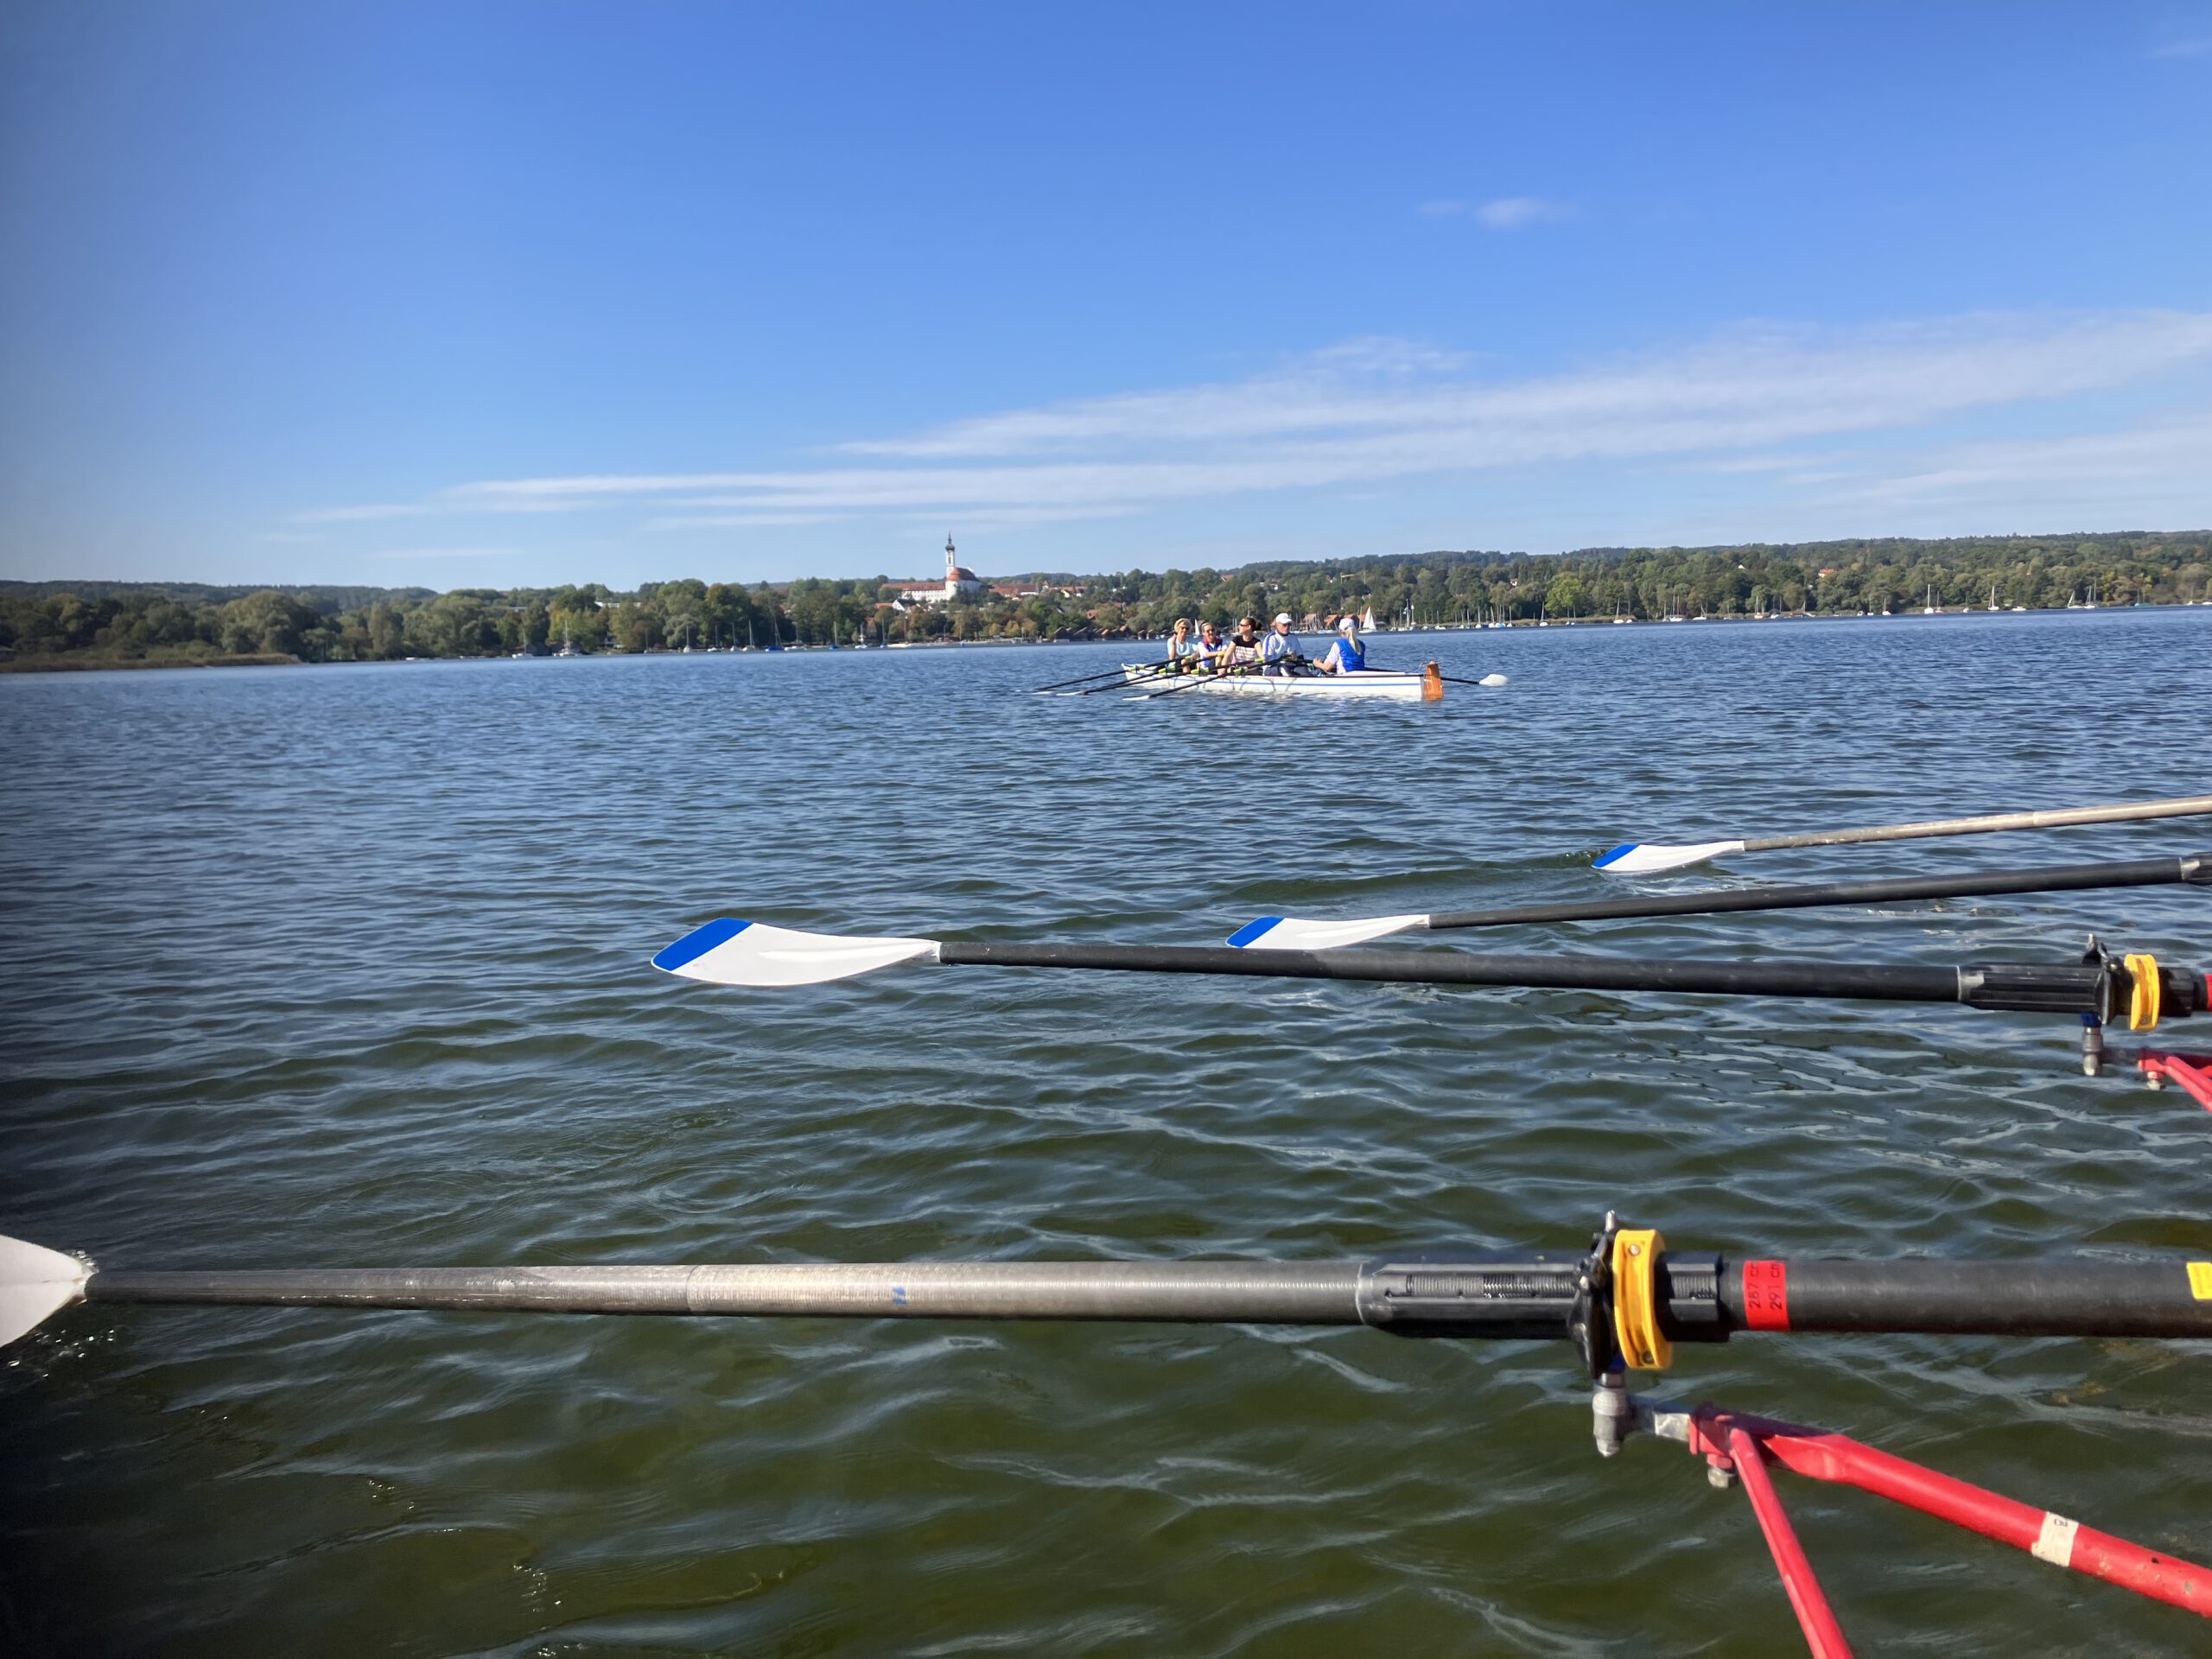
{"x": 1253, "y": 931}
{"x": 698, "y": 942}
{"x": 1614, "y": 855}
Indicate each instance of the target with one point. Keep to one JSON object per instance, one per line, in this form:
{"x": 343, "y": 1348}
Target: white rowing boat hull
{"x": 1406, "y": 688}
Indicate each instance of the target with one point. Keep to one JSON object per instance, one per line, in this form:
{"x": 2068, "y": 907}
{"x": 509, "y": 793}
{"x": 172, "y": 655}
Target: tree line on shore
{"x": 104, "y": 623}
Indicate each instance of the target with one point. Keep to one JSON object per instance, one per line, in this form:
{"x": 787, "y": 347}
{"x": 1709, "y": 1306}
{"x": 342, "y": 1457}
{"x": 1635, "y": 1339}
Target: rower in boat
{"x": 1346, "y": 654}
{"x": 1243, "y": 646}
{"x": 1279, "y": 651}
{"x": 1182, "y": 650}
{"x": 1209, "y": 652}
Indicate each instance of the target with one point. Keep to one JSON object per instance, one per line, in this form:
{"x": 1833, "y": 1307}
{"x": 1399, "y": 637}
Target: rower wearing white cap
{"x": 1346, "y": 655}
{"x": 1279, "y": 643}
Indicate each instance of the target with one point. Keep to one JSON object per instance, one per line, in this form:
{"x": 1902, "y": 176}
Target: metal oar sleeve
{"x": 2060, "y": 878}
{"x": 2183, "y": 807}
{"x": 2027, "y": 1299}
{"x": 1292, "y": 1293}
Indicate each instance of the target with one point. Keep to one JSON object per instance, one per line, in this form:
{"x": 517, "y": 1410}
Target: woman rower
{"x": 1243, "y": 646}
{"x": 1210, "y": 648}
{"x": 1180, "y": 648}
{"x": 1346, "y": 655}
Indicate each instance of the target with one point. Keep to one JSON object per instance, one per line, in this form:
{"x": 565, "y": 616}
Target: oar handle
{"x": 2181, "y": 807}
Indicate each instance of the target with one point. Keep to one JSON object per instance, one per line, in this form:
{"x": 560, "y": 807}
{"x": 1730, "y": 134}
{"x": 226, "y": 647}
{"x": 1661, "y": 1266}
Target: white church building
{"x": 959, "y": 583}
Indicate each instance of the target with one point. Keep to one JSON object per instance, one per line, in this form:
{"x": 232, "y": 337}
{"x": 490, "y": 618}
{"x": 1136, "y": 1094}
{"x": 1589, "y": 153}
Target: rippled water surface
{"x": 345, "y": 966}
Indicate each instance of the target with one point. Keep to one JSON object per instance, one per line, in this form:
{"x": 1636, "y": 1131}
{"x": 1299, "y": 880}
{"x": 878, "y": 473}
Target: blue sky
{"x": 487, "y": 295}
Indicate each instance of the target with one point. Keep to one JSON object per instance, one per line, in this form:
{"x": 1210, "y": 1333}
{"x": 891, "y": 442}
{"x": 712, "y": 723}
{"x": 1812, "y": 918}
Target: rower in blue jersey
{"x": 1280, "y": 644}
{"x": 1347, "y": 655}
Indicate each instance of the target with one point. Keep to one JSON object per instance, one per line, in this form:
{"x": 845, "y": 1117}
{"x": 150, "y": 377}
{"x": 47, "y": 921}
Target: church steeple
{"x": 951, "y": 564}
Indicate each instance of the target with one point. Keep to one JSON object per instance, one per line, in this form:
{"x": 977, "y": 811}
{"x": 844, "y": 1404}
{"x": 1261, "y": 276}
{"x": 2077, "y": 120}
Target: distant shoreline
{"x": 81, "y": 663}
{"x": 78, "y": 662}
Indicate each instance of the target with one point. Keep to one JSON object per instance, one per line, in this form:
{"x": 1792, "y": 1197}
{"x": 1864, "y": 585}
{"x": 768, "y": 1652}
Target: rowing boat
{"x": 1424, "y": 687}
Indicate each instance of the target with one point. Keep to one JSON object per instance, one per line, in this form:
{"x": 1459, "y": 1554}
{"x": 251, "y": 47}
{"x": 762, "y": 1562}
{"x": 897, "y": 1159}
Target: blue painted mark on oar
{"x": 733, "y": 952}
{"x": 696, "y": 944}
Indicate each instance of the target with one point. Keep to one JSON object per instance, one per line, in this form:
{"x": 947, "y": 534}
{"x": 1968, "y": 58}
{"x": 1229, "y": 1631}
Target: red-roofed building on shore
{"x": 960, "y": 582}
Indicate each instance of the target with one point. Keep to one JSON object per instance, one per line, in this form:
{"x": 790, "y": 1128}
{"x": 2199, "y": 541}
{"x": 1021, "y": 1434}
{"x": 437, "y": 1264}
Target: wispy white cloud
{"x": 448, "y": 553}
{"x": 361, "y": 514}
{"x": 444, "y": 501}
{"x": 732, "y": 520}
{"x": 2142, "y": 455}
{"x": 2198, "y": 49}
{"x": 1777, "y": 463}
{"x": 1364, "y": 414}
{"x": 1518, "y": 212}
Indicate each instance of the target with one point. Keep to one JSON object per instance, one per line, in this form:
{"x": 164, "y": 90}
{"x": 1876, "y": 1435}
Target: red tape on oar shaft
{"x": 1766, "y": 1295}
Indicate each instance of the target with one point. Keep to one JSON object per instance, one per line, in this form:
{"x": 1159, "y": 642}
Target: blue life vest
{"x": 1352, "y": 659}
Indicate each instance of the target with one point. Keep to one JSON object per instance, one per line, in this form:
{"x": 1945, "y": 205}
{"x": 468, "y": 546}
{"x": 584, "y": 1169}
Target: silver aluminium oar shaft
{"x": 2187, "y": 806}
{"x": 1295, "y": 1293}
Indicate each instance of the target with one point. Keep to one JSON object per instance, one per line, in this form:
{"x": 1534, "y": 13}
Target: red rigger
{"x": 2055, "y": 1538}
{"x": 1823, "y": 1636}
{"x": 2193, "y": 1072}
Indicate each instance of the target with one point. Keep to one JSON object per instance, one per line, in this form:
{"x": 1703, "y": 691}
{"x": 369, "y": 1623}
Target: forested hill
{"x": 64, "y": 624}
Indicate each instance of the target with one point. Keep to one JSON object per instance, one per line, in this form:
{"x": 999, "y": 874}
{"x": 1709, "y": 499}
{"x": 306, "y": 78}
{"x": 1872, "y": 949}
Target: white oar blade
{"x": 1637, "y": 858}
{"x": 731, "y": 952}
{"x": 1295, "y": 933}
{"x": 34, "y": 1284}
{"x": 1491, "y": 679}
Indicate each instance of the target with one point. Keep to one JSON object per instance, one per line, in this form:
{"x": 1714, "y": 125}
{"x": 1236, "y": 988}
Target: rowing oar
{"x": 1145, "y": 671}
{"x": 1642, "y": 858}
{"x": 1526, "y": 1296}
{"x": 1623, "y": 1304}
{"x": 1488, "y": 680}
{"x": 1113, "y": 672}
{"x": 1204, "y": 677}
{"x": 1298, "y": 933}
{"x": 732, "y": 952}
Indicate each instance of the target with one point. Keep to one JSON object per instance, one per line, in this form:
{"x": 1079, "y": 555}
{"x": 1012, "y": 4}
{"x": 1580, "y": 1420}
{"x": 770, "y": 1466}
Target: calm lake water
{"x": 346, "y": 966}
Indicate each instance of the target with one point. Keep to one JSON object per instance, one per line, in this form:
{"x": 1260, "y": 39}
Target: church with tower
{"x": 960, "y": 582}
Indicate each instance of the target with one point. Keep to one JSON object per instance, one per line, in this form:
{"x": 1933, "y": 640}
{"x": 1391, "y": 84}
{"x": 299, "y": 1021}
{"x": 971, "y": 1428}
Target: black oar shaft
{"x": 2196, "y": 868}
{"x": 2019, "y": 988}
{"x": 1115, "y": 673}
{"x": 1803, "y": 979}
{"x": 2026, "y": 1299}
{"x": 1529, "y": 1296}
